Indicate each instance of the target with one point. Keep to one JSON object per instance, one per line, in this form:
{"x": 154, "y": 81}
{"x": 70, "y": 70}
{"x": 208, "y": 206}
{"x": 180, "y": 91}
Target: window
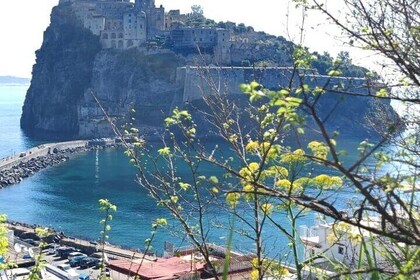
{"x": 341, "y": 250}
{"x": 312, "y": 252}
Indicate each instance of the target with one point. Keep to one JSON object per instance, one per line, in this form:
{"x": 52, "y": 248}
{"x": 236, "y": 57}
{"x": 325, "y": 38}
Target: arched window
{"x": 120, "y": 44}
{"x": 105, "y": 36}
{"x": 113, "y": 36}
{"x": 120, "y": 35}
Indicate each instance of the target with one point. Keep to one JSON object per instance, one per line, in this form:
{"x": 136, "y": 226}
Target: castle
{"x": 121, "y": 24}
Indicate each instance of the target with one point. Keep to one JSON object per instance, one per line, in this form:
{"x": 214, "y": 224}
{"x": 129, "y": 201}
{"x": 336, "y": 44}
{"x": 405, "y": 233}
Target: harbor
{"x": 177, "y": 263}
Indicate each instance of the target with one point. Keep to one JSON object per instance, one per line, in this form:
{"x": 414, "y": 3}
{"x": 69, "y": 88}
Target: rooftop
{"x": 161, "y": 269}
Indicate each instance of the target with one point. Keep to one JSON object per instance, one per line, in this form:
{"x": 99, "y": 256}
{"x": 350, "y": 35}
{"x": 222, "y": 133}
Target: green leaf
{"x": 214, "y": 180}
{"x": 382, "y": 93}
{"x": 164, "y": 151}
{"x": 184, "y": 186}
{"x": 334, "y": 73}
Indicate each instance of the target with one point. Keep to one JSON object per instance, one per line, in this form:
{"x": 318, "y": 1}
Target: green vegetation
{"x": 107, "y": 208}
{"x": 264, "y": 180}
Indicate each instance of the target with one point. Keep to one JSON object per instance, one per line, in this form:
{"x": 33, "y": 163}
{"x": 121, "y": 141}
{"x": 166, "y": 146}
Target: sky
{"x": 23, "y": 22}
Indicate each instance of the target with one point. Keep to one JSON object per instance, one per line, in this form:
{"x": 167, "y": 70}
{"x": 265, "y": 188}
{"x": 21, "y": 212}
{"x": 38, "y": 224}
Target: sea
{"x": 66, "y": 196}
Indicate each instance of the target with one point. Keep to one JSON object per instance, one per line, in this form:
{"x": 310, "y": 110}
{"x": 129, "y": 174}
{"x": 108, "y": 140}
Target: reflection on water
{"x": 12, "y": 140}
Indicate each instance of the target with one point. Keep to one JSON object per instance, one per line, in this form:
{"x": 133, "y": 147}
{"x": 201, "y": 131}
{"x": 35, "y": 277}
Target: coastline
{"x": 13, "y": 169}
{"x": 23, "y": 231}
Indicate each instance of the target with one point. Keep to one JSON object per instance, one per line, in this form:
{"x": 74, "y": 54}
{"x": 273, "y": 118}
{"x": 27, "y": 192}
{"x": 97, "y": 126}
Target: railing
{"x": 306, "y": 231}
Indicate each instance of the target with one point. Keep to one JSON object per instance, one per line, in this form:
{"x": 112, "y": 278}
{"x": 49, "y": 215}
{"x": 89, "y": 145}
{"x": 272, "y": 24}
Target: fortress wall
{"x": 199, "y": 81}
{"x": 204, "y": 81}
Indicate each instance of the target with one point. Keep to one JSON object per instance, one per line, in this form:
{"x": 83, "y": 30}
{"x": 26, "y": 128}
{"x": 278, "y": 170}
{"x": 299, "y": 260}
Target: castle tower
{"x": 144, "y": 5}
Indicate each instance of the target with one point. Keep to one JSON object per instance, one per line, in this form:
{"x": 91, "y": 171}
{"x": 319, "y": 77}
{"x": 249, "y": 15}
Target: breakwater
{"x": 14, "y": 169}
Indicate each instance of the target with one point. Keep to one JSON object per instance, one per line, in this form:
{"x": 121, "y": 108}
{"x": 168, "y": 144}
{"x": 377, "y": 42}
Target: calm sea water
{"x": 12, "y": 140}
{"x": 66, "y": 196}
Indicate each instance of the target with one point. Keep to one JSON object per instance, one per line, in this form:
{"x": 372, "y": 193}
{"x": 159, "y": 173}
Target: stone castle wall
{"x": 200, "y": 81}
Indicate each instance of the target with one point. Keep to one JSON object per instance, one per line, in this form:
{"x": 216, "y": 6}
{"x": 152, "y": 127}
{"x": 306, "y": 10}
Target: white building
{"x": 341, "y": 242}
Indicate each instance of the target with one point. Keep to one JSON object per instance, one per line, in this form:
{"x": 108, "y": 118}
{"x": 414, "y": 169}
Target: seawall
{"x": 14, "y": 169}
{"x": 39, "y": 151}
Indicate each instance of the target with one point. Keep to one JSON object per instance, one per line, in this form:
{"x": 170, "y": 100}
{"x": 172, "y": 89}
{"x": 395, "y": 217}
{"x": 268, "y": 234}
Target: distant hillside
{"x": 10, "y": 80}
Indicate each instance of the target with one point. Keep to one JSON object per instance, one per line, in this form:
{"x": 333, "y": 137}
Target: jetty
{"x": 14, "y": 169}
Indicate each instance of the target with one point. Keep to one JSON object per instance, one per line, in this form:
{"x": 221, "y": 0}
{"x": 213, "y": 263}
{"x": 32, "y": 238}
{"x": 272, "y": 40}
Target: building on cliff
{"x": 122, "y": 24}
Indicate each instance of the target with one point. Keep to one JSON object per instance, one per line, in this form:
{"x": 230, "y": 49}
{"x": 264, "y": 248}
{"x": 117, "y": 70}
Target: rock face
{"x": 62, "y": 73}
{"x": 71, "y": 66}
{"x": 125, "y": 80}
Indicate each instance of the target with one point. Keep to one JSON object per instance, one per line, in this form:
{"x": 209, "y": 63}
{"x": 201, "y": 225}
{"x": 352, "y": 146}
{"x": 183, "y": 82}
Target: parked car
{"x": 75, "y": 254}
{"x": 64, "y": 252}
{"x": 89, "y": 262}
{"x": 70, "y": 271}
{"x": 61, "y": 272}
{"x": 52, "y": 248}
{"x": 58, "y": 250}
{"x": 84, "y": 276}
{"x": 66, "y": 268}
{"x": 30, "y": 241}
{"x": 76, "y": 261}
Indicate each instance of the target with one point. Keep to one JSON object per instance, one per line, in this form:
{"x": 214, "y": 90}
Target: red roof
{"x": 160, "y": 269}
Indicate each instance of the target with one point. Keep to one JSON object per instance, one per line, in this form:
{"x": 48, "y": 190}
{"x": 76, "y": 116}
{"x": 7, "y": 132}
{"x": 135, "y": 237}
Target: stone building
{"x": 122, "y": 25}
{"x": 135, "y": 32}
{"x": 174, "y": 19}
{"x": 155, "y": 16}
{"x": 222, "y": 50}
{"x": 207, "y": 39}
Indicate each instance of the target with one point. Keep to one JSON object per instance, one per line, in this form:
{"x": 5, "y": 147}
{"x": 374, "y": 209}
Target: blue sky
{"x": 22, "y": 24}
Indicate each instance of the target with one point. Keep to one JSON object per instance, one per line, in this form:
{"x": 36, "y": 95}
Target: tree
{"x": 262, "y": 178}
{"x": 197, "y": 10}
{"x": 390, "y": 28}
{"x": 196, "y": 18}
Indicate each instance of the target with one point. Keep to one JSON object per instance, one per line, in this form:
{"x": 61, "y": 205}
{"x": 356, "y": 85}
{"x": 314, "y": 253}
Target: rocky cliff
{"x": 125, "y": 80}
{"x": 62, "y": 73}
{"x": 71, "y": 67}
